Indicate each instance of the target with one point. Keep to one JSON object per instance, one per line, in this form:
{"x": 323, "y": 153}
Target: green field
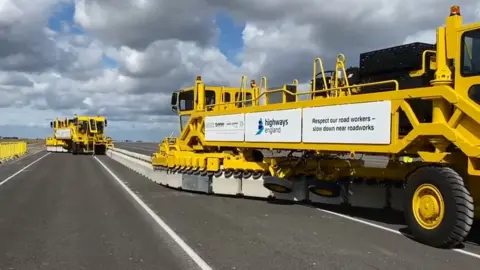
{"x": 29, "y": 141}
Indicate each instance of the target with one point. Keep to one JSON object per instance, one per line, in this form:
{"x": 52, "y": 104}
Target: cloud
{"x": 148, "y": 21}
{"x": 123, "y": 58}
{"x": 27, "y": 45}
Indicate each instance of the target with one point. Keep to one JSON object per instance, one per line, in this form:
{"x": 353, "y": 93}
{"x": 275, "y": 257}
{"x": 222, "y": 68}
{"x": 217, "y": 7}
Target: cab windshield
{"x": 100, "y": 126}
{"x": 186, "y": 100}
{"x": 470, "y": 65}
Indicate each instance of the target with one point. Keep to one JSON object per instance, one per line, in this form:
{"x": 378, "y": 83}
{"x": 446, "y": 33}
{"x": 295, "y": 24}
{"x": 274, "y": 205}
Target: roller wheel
{"x": 324, "y": 188}
{"x": 279, "y": 185}
{"x": 246, "y": 174}
{"x": 438, "y": 207}
{"x": 257, "y": 175}
{"x": 228, "y": 173}
{"x": 237, "y": 174}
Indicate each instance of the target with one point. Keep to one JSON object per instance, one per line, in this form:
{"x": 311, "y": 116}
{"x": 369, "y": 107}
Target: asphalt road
{"x": 82, "y": 212}
{"x": 141, "y": 148}
{"x": 66, "y": 212}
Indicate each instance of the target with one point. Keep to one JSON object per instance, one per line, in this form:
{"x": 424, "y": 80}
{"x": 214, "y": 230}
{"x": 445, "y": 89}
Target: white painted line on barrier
{"x": 390, "y": 230}
{"x": 23, "y": 169}
{"x": 190, "y": 252}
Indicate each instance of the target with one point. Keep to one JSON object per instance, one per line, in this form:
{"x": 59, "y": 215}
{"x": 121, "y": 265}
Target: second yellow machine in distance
{"x": 417, "y": 104}
{"x": 81, "y": 134}
{"x": 52, "y": 143}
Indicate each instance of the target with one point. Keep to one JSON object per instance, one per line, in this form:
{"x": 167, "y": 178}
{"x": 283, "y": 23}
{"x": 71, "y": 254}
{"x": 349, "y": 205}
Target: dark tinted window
{"x": 186, "y": 100}
{"x": 470, "y": 58}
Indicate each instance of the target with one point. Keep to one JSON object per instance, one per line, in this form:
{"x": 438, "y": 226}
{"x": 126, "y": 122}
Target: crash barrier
{"x": 359, "y": 195}
{"x": 12, "y": 150}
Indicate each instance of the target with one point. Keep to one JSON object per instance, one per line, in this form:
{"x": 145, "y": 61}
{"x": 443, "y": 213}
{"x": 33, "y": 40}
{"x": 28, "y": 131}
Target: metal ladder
{"x": 90, "y": 146}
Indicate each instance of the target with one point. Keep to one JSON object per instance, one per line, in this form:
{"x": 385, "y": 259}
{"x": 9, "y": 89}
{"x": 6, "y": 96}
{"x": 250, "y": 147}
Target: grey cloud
{"x": 162, "y": 47}
{"x": 121, "y": 23}
{"x": 342, "y": 27}
{"x": 25, "y": 45}
{"x": 16, "y": 79}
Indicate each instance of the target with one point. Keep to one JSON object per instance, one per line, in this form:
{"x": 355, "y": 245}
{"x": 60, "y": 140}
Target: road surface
{"x": 84, "y": 212}
{"x": 141, "y": 148}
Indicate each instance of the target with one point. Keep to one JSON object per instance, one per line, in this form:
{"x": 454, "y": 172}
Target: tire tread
{"x": 463, "y": 199}
{"x": 462, "y": 219}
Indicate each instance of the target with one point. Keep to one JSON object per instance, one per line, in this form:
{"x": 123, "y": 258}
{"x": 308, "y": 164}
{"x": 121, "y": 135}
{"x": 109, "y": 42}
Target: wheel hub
{"x": 428, "y": 206}
{"x": 278, "y": 188}
{"x": 324, "y": 192}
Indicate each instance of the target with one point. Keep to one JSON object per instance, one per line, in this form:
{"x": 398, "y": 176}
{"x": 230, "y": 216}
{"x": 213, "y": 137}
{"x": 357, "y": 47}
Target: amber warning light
{"x": 454, "y": 10}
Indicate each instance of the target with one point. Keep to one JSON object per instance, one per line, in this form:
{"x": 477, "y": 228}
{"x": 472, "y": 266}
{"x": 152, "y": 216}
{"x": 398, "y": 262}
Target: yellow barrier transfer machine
{"x": 56, "y": 143}
{"x": 417, "y": 104}
{"x": 81, "y": 134}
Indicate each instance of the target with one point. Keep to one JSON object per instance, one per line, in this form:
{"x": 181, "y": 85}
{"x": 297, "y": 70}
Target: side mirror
{"x": 51, "y": 124}
{"x": 174, "y": 100}
{"x": 106, "y": 123}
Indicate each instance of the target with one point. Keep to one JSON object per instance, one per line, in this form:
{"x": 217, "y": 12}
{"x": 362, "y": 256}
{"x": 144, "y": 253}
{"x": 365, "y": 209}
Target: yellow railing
{"x": 9, "y": 150}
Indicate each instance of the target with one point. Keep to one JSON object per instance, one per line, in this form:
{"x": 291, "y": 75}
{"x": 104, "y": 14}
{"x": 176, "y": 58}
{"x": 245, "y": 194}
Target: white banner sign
{"x": 360, "y": 123}
{"x": 63, "y": 133}
{"x": 226, "y": 128}
{"x": 274, "y": 126}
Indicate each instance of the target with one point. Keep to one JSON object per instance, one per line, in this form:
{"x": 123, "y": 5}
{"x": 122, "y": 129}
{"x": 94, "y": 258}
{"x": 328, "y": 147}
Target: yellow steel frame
{"x": 459, "y": 128}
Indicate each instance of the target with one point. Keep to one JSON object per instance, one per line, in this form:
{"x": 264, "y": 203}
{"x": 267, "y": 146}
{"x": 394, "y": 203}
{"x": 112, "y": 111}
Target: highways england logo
{"x": 271, "y": 126}
{"x": 260, "y": 127}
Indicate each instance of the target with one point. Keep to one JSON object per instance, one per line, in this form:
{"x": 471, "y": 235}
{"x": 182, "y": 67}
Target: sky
{"x": 124, "y": 58}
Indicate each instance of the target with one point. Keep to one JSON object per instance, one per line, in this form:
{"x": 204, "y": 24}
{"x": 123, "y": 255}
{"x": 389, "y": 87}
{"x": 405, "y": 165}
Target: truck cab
{"x": 216, "y": 99}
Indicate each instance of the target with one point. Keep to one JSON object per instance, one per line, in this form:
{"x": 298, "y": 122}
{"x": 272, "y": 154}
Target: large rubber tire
{"x": 74, "y": 149}
{"x": 457, "y": 204}
{"x": 100, "y": 150}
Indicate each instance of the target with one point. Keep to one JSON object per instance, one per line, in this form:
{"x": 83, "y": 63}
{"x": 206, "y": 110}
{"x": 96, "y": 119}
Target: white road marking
{"x": 468, "y": 253}
{"x": 190, "y": 252}
{"x": 23, "y": 169}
